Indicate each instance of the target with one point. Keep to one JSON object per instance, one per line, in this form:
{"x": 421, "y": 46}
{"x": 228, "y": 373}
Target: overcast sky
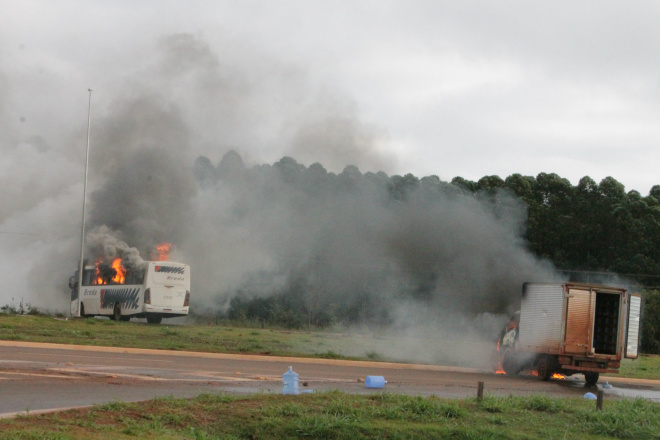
{"x": 451, "y": 88}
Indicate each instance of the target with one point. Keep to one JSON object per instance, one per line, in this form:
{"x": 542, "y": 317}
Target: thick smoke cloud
{"x": 418, "y": 256}
{"x": 180, "y": 100}
{"x": 350, "y": 236}
{"x": 405, "y": 252}
{"x": 147, "y": 187}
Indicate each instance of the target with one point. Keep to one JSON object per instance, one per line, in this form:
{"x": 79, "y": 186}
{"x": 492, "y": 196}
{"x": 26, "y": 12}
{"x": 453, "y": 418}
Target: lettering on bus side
{"x": 89, "y": 292}
{"x": 128, "y": 297}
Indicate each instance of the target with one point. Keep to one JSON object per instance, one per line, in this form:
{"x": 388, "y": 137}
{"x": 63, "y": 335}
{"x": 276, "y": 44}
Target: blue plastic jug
{"x": 375, "y": 382}
{"x": 290, "y": 382}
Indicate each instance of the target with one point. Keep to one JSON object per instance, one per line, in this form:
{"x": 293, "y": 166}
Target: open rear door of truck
{"x": 579, "y": 321}
{"x": 632, "y": 332}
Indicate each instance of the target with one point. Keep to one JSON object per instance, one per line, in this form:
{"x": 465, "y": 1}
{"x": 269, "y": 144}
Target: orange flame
{"x": 120, "y": 278}
{"x": 98, "y": 279}
{"x": 554, "y": 376}
{"x": 120, "y": 272}
{"x": 162, "y": 252}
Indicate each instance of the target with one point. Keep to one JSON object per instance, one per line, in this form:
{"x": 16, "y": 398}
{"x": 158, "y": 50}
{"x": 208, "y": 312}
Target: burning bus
{"x": 153, "y": 290}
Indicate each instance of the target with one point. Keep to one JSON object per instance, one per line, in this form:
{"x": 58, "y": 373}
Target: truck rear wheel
{"x": 591, "y": 378}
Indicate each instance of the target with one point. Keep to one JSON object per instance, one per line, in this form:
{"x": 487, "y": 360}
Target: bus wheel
{"x": 116, "y": 313}
{"x": 82, "y": 310}
{"x": 125, "y": 318}
{"x": 154, "y": 319}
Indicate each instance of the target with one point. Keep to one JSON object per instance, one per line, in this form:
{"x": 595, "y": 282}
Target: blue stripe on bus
{"x": 128, "y": 297}
{"x": 170, "y": 269}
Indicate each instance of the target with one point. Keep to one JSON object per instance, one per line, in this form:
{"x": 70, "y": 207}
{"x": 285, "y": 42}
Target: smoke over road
{"x": 401, "y": 250}
{"x": 414, "y": 255}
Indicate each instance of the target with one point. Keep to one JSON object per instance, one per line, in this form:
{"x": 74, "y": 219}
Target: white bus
{"x": 160, "y": 290}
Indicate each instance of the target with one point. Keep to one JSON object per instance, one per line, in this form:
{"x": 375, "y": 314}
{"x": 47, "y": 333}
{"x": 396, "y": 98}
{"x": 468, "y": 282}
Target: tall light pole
{"x": 82, "y": 228}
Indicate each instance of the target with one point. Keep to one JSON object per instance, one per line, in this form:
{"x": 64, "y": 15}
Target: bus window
{"x": 135, "y": 276}
{"x": 88, "y": 277}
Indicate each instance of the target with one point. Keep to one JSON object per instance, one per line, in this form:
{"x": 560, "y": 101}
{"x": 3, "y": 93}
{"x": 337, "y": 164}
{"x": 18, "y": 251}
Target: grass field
{"x": 335, "y": 415}
{"x": 234, "y": 339}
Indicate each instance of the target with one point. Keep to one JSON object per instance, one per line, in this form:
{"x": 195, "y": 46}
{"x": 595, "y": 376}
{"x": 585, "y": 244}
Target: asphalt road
{"x": 36, "y": 377}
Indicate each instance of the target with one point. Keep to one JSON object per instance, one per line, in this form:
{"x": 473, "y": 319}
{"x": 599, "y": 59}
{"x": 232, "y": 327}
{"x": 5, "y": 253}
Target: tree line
{"x": 588, "y": 227}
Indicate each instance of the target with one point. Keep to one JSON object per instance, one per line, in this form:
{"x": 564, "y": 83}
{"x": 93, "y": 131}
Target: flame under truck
{"x": 571, "y": 328}
{"x": 159, "y": 289}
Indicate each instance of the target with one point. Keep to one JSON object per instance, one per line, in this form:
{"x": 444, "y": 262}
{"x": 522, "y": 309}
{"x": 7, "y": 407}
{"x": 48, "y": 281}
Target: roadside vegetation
{"x": 238, "y": 340}
{"x": 202, "y": 338}
{"x": 336, "y": 415}
{"x": 226, "y": 337}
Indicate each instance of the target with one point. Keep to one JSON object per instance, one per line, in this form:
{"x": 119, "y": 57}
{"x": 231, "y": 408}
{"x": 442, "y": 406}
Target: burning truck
{"x": 152, "y": 289}
{"x": 571, "y": 328}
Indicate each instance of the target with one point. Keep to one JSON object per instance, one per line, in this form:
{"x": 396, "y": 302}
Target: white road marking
{"x": 151, "y": 361}
{"x": 16, "y": 373}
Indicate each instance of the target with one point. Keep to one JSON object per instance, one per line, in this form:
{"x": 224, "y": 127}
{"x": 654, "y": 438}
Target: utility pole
{"x": 82, "y": 228}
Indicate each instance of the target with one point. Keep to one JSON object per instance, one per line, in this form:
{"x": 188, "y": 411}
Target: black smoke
{"x": 346, "y": 241}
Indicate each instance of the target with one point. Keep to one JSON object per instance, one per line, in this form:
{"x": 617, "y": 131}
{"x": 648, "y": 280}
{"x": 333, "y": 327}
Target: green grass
{"x": 202, "y": 338}
{"x": 335, "y": 415}
{"x": 207, "y": 338}
{"x": 644, "y": 367}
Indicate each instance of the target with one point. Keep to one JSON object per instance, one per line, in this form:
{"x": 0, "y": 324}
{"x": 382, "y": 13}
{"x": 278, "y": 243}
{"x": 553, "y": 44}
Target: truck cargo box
{"x": 573, "y": 327}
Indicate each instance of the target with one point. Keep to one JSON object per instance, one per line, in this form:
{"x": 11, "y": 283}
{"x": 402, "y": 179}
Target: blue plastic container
{"x": 290, "y": 382}
{"x": 375, "y": 382}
